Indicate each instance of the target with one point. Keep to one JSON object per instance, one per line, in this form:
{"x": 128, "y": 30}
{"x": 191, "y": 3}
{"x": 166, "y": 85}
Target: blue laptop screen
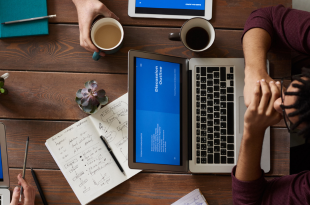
{"x": 1, "y": 170}
{"x": 157, "y": 117}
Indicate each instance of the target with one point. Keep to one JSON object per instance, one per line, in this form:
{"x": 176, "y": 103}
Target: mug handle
{"x": 96, "y": 55}
{"x": 175, "y": 36}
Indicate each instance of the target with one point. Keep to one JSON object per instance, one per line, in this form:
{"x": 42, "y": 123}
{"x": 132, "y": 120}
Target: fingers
{"x": 15, "y": 196}
{"x": 265, "y": 96}
{"x": 275, "y": 94}
{"x": 29, "y": 193}
{"x": 256, "y": 95}
{"x": 85, "y": 40}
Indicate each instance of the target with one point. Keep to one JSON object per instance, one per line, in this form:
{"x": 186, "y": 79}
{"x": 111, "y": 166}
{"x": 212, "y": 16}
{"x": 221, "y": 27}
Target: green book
{"x": 11, "y": 10}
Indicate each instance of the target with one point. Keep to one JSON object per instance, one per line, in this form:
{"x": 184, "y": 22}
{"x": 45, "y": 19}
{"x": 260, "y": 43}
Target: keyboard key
{"x": 231, "y": 83}
{"x": 203, "y": 93}
{"x": 197, "y": 90}
{"x": 216, "y": 135}
{"x": 223, "y": 145}
{"x": 210, "y": 130}
{"x": 223, "y": 73}
{"x": 203, "y": 113}
{"x": 230, "y": 97}
{"x": 223, "y": 138}
{"x": 223, "y": 112}
{"x": 203, "y": 133}
{"x": 209, "y": 76}
{"x": 203, "y": 140}
{"x": 197, "y": 118}
{"x": 230, "y": 160}
{"x": 210, "y": 96}
{"x": 203, "y": 71}
{"x": 203, "y": 160}
{"x": 203, "y": 119}
{"x": 216, "y": 108}
{"x": 230, "y": 147}
{"x": 223, "y": 159}
{"x": 228, "y": 76}
{"x": 203, "y": 147}
{"x": 223, "y": 118}
{"x": 223, "y": 132}
{"x": 231, "y": 69}
{"x": 197, "y": 70}
{"x": 203, "y": 99}
{"x": 203, "y": 153}
{"x": 223, "y": 125}
{"x": 203, "y": 106}
{"x": 203, "y": 127}
{"x": 197, "y": 139}
{"x": 210, "y": 136}
{"x": 209, "y": 83}
{"x": 223, "y": 151}
{"x": 216, "y": 141}
{"x": 210, "y": 110}
{"x": 210, "y": 144}
{"x": 198, "y": 160}
{"x": 216, "y": 101}
{"x": 216, "y": 158}
{"x": 231, "y": 76}
{"x": 197, "y": 132}
{"x": 197, "y": 84}
{"x": 210, "y": 158}
{"x": 216, "y": 121}
{"x": 210, "y": 150}
{"x": 216, "y": 115}
{"x": 203, "y": 80}
{"x": 216, "y": 81}
{"x": 216, "y": 88}
{"x": 212, "y": 69}
{"x": 203, "y": 86}
{"x": 210, "y": 123}
{"x": 210, "y": 103}
{"x": 223, "y": 98}
{"x": 230, "y": 139}
{"x": 223, "y": 105}
{"x": 216, "y": 75}
{"x": 209, "y": 90}
{"x": 223, "y": 91}
{"x": 197, "y": 97}
{"x": 210, "y": 117}
{"x": 197, "y": 146}
{"x": 197, "y": 77}
{"x": 223, "y": 84}
{"x": 230, "y": 118}
{"x": 230, "y": 153}
{"x": 197, "y": 104}
{"x": 216, "y": 148}
{"x": 198, "y": 153}
{"x": 216, "y": 128}
{"x": 230, "y": 90}
{"x": 216, "y": 95}
{"x": 197, "y": 125}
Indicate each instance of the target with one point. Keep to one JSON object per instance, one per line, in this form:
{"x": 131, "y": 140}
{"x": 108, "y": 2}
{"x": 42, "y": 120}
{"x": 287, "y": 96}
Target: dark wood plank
{"x": 60, "y": 51}
{"x": 40, "y": 131}
{"x": 226, "y": 13}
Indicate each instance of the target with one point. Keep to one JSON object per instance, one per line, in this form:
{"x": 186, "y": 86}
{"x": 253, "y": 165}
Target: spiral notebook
{"x": 193, "y": 198}
{"x": 82, "y": 157}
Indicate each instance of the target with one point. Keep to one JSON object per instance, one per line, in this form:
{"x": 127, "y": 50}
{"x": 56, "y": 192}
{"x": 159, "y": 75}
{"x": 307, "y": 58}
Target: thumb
{"x": 107, "y": 13}
{"x": 15, "y": 197}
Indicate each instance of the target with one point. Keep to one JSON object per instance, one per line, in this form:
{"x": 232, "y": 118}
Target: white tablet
{"x": 170, "y": 9}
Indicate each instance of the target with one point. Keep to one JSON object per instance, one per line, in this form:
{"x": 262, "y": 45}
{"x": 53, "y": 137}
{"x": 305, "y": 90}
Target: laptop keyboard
{"x": 215, "y": 115}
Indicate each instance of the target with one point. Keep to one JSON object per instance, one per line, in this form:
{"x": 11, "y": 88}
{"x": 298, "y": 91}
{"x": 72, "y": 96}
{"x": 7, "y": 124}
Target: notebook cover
{"x": 11, "y": 10}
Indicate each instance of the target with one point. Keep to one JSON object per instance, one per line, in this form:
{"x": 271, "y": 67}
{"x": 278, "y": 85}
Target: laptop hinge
{"x": 189, "y": 115}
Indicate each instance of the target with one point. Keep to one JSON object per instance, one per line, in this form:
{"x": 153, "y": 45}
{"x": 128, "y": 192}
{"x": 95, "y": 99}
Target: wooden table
{"x": 46, "y": 71}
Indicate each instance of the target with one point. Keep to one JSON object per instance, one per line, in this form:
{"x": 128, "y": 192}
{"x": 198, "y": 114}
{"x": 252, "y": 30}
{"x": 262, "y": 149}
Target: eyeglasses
{"x": 285, "y": 116}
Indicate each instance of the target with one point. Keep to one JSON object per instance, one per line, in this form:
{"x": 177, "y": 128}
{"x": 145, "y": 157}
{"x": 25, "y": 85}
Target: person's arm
{"x": 87, "y": 11}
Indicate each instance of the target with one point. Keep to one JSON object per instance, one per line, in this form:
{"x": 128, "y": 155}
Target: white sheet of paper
{"x": 192, "y": 198}
{"x": 82, "y": 157}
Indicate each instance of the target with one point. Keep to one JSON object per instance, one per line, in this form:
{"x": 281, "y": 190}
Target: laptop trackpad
{"x": 242, "y": 109}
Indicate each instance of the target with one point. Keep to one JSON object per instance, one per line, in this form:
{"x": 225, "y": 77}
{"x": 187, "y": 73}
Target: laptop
{"x": 186, "y": 114}
{"x": 4, "y": 169}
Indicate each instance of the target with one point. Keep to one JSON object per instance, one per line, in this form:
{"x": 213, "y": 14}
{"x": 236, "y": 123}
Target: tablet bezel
{"x": 132, "y": 54}
{"x": 132, "y": 12}
{"x": 4, "y": 157}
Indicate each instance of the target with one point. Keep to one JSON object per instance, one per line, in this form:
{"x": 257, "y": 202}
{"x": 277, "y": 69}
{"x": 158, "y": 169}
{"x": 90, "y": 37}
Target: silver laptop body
{"x": 215, "y": 147}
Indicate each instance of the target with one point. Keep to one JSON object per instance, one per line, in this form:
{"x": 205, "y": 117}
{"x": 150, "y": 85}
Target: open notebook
{"x": 193, "y": 198}
{"x": 82, "y": 156}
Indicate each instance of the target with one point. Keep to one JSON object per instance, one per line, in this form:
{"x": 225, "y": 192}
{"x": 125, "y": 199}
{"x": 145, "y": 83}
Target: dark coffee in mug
{"x": 197, "y": 38}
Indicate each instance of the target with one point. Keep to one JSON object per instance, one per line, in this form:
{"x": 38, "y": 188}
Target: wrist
{"x": 260, "y": 71}
{"x": 253, "y": 133}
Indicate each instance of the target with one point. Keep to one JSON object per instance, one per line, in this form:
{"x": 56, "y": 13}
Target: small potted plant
{"x": 89, "y": 99}
{"x": 3, "y": 90}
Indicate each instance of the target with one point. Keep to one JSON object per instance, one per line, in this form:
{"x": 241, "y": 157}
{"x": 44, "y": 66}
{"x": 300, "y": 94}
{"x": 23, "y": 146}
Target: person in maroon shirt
{"x": 267, "y": 105}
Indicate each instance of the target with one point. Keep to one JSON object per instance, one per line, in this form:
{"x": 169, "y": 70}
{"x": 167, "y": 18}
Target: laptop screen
{"x": 157, "y": 115}
{"x": 1, "y": 170}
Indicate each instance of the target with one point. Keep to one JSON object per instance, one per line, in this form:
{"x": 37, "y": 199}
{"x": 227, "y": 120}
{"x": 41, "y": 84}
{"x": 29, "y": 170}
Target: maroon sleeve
{"x": 289, "y": 26}
{"x": 291, "y": 189}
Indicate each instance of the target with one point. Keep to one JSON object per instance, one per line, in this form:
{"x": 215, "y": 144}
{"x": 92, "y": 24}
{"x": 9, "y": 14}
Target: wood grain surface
{"x": 39, "y": 157}
{"x": 144, "y": 188}
{"x": 60, "y": 51}
{"x": 226, "y": 13}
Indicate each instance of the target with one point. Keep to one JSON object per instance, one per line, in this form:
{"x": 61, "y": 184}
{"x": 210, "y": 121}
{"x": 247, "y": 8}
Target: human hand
{"x": 250, "y": 78}
{"x": 29, "y": 193}
{"x": 87, "y": 11}
{"x": 261, "y": 113}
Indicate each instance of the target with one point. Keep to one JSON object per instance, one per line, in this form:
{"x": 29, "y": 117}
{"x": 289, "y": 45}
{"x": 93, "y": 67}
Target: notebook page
{"x": 193, "y": 198}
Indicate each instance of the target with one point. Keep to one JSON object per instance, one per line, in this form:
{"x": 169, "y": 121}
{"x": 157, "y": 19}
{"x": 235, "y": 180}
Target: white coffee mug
{"x": 192, "y": 23}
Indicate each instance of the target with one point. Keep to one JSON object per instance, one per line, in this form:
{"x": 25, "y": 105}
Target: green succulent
{"x": 89, "y": 99}
{"x": 3, "y": 90}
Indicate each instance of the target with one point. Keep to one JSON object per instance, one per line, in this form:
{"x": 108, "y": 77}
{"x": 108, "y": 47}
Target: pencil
{"x": 30, "y": 19}
{"x": 39, "y": 187}
{"x": 24, "y": 168}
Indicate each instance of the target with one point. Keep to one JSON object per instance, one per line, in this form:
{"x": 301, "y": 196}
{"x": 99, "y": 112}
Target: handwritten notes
{"x": 193, "y": 198}
{"x": 82, "y": 156}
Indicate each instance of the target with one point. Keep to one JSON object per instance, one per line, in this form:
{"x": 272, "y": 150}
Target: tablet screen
{"x": 157, "y": 112}
{"x": 1, "y": 170}
{"x": 171, "y": 7}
